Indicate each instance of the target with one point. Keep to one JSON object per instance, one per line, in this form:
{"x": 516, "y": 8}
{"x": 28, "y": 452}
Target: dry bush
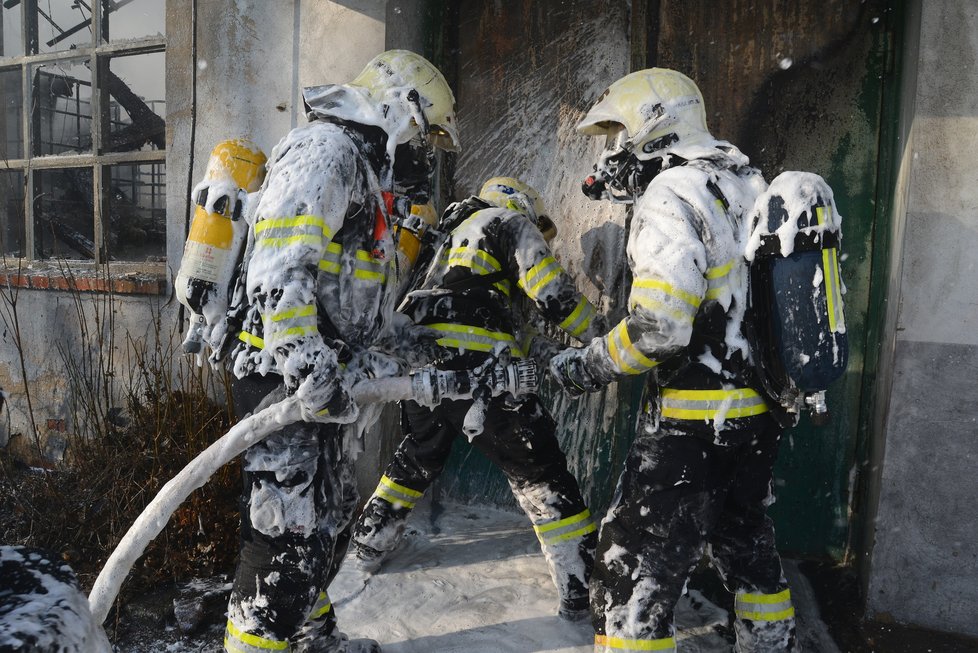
{"x": 120, "y": 456}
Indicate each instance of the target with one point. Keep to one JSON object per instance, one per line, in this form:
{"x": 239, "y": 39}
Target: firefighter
{"x": 317, "y": 293}
{"x": 478, "y": 293}
{"x": 698, "y": 475}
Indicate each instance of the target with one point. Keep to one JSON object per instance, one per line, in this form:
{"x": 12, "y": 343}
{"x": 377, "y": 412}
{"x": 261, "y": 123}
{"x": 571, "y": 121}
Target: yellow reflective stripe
{"x": 621, "y": 644}
{"x": 472, "y": 257}
{"x": 395, "y": 493}
{"x": 833, "y": 289}
{"x": 709, "y": 404}
{"x": 298, "y": 311}
{"x": 386, "y": 480}
{"x": 663, "y": 297}
{"x": 323, "y": 605}
{"x": 669, "y": 289}
{"x": 312, "y": 241}
{"x": 717, "y": 284}
{"x": 255, "y": 641}
{"x": 252, "y": 340}
{"x": 720, "y": 271}
{"x": 580, "y": 318}
{"x": 299, "y": 331}
{"x": 301, "y": 229}
{"x": 461, "y": 336}
{"x": 626, "y": 355}
{"x": 565, "y": 529}
{"x": 330, "y": 262}
{"x": 546, "y": 270}
{"x": 764, "y": 607}
{"x": 295, "y": 221}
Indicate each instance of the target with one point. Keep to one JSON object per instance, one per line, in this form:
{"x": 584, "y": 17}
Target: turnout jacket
{"x": 473, "y": 314}
{"x": 687, "y": 300}
{"x": 318, "y": 264}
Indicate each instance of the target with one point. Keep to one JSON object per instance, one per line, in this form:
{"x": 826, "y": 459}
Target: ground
{"x": 466, "y": 578}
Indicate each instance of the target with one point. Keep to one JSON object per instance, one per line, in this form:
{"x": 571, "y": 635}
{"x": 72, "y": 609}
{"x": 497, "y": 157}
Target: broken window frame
{"x": 99, "y": 54}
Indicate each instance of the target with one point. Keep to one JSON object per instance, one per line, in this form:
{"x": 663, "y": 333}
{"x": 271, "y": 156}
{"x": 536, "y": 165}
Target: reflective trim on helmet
{"x": 569, "y": 528}
{"x": 625, "y": 355}
{"x": 465, "y": 337}
{"x": 580, "y": 318}
{"x": 607, "y": 644}
{"x": 764, "y": 607}
{"x": 711, "y": 404}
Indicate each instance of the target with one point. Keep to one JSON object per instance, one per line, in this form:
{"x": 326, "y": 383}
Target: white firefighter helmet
{"x": 513, "y": 194}
{"x": 649, "y": 110}
{"x": 390, "y": 78}
{"x": 399, "y": 91}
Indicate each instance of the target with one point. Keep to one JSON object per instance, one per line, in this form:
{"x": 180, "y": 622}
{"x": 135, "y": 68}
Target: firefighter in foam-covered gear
{"x": 495, "y": 259}
{"x": 317, "y": 295}
{"x": 698, "y": 476}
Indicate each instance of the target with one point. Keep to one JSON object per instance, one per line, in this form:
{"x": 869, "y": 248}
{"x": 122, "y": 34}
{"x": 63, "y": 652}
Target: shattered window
{"x": 63, "y": 107}
{"x": 82, "y": 84}
{"x": 136, "y": 107}
{"x": 12, "y": 99}
{"x": 11, "y": 213}
{"x": 137, "y": 212}
{"x": 63, "y": 210}
{"x": 134, "y": 19}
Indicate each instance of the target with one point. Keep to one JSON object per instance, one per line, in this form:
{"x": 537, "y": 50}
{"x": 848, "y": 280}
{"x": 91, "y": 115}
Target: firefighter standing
{"x": 318, "y": 293}
{"x": 698, "y": 475}
{"x": 496, "y": 258}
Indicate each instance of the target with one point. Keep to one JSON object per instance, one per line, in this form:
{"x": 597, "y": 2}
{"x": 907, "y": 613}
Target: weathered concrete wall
{"x": 233, "y": 70}
{"x": 925, "y": 557}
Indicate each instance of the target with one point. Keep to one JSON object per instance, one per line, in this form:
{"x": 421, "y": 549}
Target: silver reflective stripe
{"x": 395, "y": 493}
{"x": 764, "y": 607}
{"x": 710, "y": 404}
{"x": 569, "y": 528}
{"x": 662, "y": 297}
{"x": 322, "y": 607}
{"x": 580, "y": 318}
{"x": 462, "y": 336}
{"x": 718, "y": 280}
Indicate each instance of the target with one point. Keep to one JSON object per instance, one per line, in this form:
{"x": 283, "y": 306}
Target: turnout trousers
{"x": 681, "y": 495}
{"x": 297, "y": 503}
{"x": 522, "y": 442}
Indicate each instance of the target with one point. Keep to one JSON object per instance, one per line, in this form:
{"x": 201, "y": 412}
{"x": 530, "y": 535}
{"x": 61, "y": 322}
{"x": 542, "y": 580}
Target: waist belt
{"x": 710, "y": 404}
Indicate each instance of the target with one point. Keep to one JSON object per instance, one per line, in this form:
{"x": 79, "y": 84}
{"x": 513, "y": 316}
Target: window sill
{"x": 121, "y": 279}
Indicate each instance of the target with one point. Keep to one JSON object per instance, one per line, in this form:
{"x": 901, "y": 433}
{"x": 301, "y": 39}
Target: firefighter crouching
{"x": 477, "y": 294}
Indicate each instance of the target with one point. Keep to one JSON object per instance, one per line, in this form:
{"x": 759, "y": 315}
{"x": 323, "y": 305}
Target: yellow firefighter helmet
{"x": 513, "y": 194}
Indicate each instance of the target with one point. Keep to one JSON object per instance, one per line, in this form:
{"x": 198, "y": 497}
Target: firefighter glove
{"x": 324, "y": 396}
{"x": 569, "y": 369}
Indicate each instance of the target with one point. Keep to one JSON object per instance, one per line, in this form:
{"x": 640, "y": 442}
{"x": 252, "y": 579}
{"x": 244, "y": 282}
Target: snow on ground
{"x": 471, "y": 578}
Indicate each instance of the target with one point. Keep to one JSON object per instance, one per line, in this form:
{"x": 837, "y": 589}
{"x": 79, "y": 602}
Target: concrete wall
{"x": 925, "y": 558}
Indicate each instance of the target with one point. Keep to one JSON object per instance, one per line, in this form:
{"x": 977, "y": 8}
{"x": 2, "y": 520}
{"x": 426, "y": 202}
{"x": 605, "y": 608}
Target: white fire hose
{"x": 427, "y": 386}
